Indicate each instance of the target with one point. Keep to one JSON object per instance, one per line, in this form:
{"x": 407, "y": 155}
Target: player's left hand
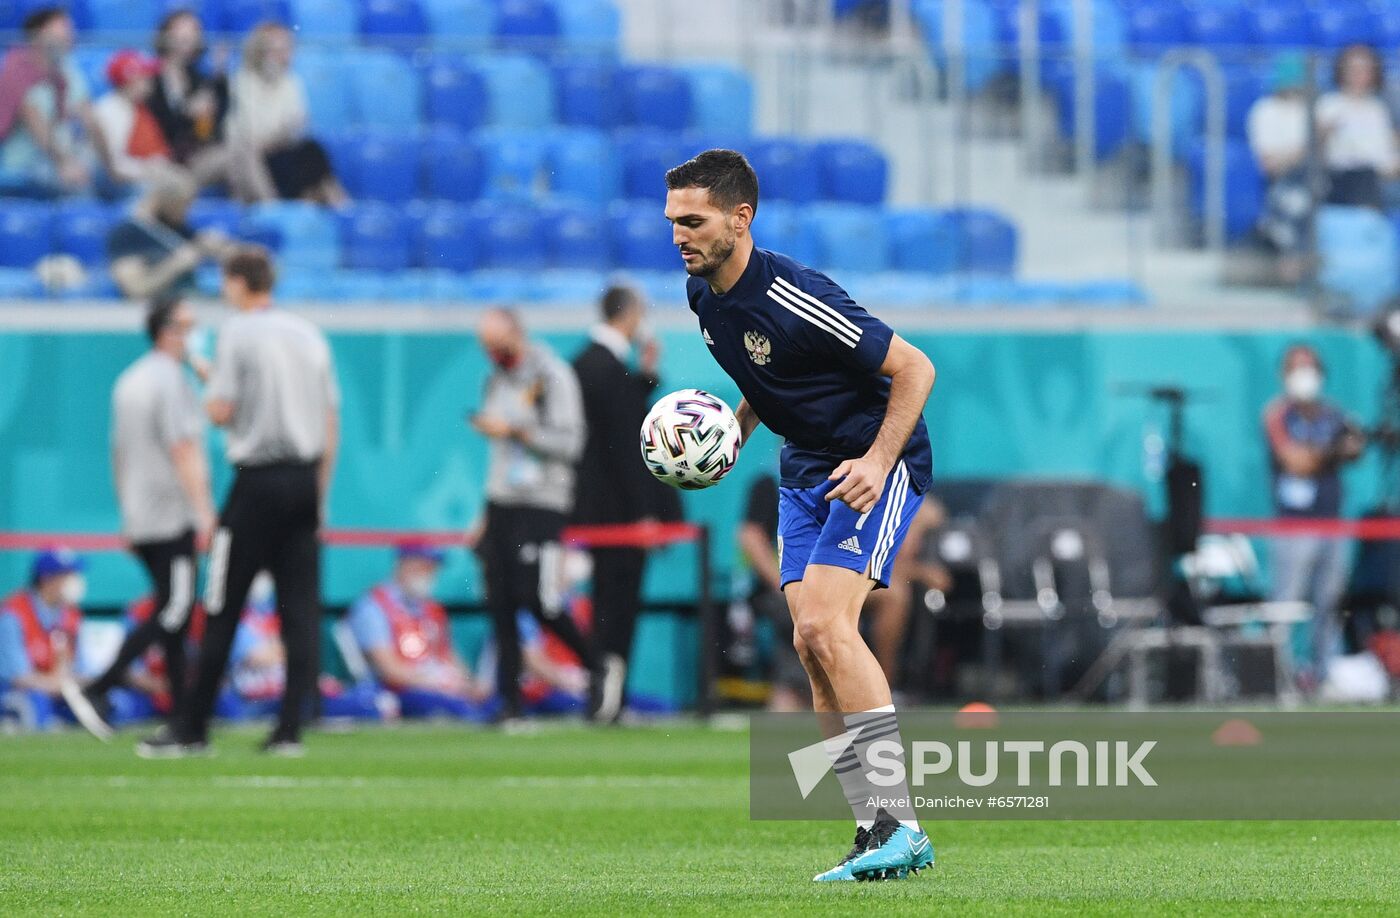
{"x": 862, "y": 483}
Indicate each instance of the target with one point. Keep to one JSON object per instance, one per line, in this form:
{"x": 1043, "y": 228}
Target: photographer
{"x": 1310, "y": 439}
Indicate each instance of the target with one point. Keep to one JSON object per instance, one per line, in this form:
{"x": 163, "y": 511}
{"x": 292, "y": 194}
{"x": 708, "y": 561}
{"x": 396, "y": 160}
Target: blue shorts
{"x": 814, "y": 530}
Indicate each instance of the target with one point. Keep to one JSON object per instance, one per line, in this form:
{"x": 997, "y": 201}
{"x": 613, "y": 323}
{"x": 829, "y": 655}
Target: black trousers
{"x": 617, "y": 598}
{"x": 171, "y": 565}
{"x": 522, "y": 556}
{"x": 269, "y": 522}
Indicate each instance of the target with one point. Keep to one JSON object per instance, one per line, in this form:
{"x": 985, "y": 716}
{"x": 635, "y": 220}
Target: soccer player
{"x": 847, "y": 396}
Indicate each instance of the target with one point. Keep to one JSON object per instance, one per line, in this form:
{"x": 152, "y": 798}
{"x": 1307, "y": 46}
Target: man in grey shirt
{"x": 273, "y": 389}
{"x": 533, "y": 415}
{"x": 162, "y": 481}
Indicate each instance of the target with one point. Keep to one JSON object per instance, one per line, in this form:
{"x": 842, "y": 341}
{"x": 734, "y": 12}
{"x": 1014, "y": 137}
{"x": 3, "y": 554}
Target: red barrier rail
{"x": 1373, "y": 529}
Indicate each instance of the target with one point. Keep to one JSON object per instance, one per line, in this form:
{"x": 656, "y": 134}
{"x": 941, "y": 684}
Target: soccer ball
{"x": 690, "y": 439}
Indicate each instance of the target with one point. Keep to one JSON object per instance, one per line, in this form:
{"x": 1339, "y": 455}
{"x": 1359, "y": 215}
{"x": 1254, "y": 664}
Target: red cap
{"x": 127, "y": 65}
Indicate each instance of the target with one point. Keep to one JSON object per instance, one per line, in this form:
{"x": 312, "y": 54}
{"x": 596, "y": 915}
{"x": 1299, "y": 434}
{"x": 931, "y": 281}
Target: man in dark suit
{"x": 613, "y": 484}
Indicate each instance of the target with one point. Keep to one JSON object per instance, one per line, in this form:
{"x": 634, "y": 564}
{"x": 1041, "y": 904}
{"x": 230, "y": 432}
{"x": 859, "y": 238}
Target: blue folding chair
{"x": 921, "y": 240}
{"x": 396, "y": 23}
{"x": 784, "y": 167}
{"x": 218, "y": 214}
{"x": 515, "y": 163}
{"x": 26, "y": 232}
{"x": 520, "y": 90}
{"x": 1339, "y": 23}
{"x": 852, "y": 237}
{"x": 1218, "y": 25}
{"x": 1244, "y": 186}
{"x": 642, "y": 239}
{"x": 330, "y": 21}
{"x": 646, "y": 155}
{"x": 1360, "y": 256}
{"x": 585, "y": 93}
{"x": 329, "y": 87}
{"x": 576, "y": 237}
{"x": 386, "y": 167}
{"x": 309, "y": 234}
{"x": 589, "y": 26}
{"x": 512, "y": 238}
{"x": 583, "y": 165}
{"x": 852, "y": 171}
{"x": 375, "y": 237}
{"x": 783, "y": 227}
{"x": 80, "y": 229}
{"x": 453, "y": 167}
{"x": 238, "y": 17}
{"x": 1280, "y": 24}
{"x": 721, "y": 99}
{"x": 128, "y": 18}
{"x": 460, "y": 22}
{"x": 454, "y": 94}
{"x": 528, "y": 25}
{"x": 986, "y": 241}
{"x": 656, "y": 97}
{"x": 447, "y": 238}
{"x": 387, "y": 91}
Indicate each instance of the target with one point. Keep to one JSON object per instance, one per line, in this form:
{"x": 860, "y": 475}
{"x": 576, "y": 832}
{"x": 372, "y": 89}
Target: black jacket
{"x": 613, "y": 486}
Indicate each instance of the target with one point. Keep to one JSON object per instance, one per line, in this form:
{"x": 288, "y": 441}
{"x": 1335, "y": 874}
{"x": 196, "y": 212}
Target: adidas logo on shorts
{"x": 850, "y": 544}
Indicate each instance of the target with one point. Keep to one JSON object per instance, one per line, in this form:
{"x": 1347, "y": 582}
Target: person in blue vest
{"x": 406, "y": 637}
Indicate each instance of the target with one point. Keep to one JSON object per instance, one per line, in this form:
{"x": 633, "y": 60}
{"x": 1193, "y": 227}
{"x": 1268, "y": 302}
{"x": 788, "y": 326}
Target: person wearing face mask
{"x": 46, "y": 119}
{"x": 162, "y": 480}
{"x": 533, "y": 416}
{"x": 1310, "y": 439}
{"x": 39, "y": 638}
{"x": 405, "y": 635}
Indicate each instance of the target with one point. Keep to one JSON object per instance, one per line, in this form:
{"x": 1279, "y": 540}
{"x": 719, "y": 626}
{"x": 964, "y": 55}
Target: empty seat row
{"x": 591, "y": 165}
{"x": 580, "y": 24}
{"x": 554, "y": 234}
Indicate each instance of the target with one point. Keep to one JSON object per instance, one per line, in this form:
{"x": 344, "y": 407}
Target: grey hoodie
{"x": 539, "y": 396}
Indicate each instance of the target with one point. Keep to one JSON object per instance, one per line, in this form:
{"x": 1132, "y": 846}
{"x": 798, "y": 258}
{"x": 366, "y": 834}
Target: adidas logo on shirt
{"x": 705, "y": 333}
{"x": 850, "y": 544}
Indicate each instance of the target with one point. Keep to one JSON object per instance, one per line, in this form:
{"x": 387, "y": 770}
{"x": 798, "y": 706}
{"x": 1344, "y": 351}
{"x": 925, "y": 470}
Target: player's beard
{"x": 714, "y": 259}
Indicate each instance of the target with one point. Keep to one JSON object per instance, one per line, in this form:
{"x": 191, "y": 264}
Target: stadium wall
{"x": 1033, "y": 403}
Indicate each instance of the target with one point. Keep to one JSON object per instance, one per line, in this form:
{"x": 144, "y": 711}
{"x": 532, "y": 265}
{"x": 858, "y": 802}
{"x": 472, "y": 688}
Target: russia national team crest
{"x": 759, "y": 348}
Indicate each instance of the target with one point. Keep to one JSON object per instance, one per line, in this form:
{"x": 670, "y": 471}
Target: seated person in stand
{"x": 258, "y": 669}
{"x": 406, "y": 637}
{"x": 154, "y": 252}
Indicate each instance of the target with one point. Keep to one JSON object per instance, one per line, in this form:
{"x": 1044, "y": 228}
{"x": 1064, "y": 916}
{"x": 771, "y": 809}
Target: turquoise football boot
{"x": 894, "y": 851}
{"x": 842, "y": 871}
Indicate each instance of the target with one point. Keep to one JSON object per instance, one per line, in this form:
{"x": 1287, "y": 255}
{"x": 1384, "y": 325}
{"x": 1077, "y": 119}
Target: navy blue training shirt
{"x": 807, "y": 360}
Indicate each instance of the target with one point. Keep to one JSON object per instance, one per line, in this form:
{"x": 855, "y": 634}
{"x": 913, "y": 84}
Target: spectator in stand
{"x": 1278, "y": 136}
{"x": 1309, "y": 440}
{"x": 154, "y": 253}
{"x": 1358, "y": 136}
{"x": 258, "y": 668}
{"x": 189, "y": 103}
{"x": 44, "y": 109}
{"x": 267, "y": 125}
{"x": 136, "y": 147}
{"x": 405, "y": 634}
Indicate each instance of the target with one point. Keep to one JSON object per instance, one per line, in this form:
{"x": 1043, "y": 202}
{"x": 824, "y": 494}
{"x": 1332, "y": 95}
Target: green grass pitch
{"x": 654, "y": 820}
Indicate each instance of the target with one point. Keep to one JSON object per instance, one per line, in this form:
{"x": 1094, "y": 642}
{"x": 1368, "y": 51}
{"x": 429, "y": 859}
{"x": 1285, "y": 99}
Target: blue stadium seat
{"x": 586, "y": 94}
{"x": 852, "y": 237}
{"x": 329, "y": 88}
{"x": 592, "y": 26}
{"x": 1244, "y": 85}
{"x": 1244, "y": 186}
{"x": 979, "y": 43}
{"x": 1338, "y": 23}
{"x": 454, "y": 94}
{"x": 447, "y": 237}
{"x": 515, "y": 163}
{"x": 1187, "y": 104}
{"x": 1388, "y": 23}
{"x": 453, "y": 167}
{"x": 1112, "y": 103}
{"x": 375, "y": 237}
{"x": 461, "y": 21}
{"x": 19, "y": 284}
{"x": 721, "y": 99}
{"x": 1218, "y": 24}
{"x": 568, "y": 287}
{"x": 646, "y": 155}
{"x": 382, "y": 166}
{"x": 91, "y": 61}
{"x": 14, "y": 12}
{"x": 784, "y": 167}
{"x": 386, "y": 90}
{"x": 530, "y": 25}
{"x": 238, "y": 17}
{"x": 655, "y": 97}
{"x": 921, "y": 240}
{"x": 1157, "y": 26}
{"x": 217, "y": 213}
{"x": 80, "y": 229}
{"x": 985, "y": 241}
{"x": 576, "y": 237}
{"x": 26, "y": 232}
{"x": 851, "y": 171}
{"x": 1360, "y": 254}
{"x": 783, "y": 227}
{"x": 309, "y": 234}
{"x": 398, "y": 23}
{"x": 134, "y": 17}
{"x": 520, "y": 90}
{"x": 1280, "y": 24}
{"x": 334, "y": 21}
{"x": 512, "y": 238}
{"x": 642, "y": 238}
{"x": 582, "y": 165}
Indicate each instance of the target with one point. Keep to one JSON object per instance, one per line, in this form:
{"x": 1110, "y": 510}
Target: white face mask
{"x": 1303, "y": 384}
{"x": 419, "y": 586}
{"x": 261, "y": 592}
{"x": 74, "y": 589}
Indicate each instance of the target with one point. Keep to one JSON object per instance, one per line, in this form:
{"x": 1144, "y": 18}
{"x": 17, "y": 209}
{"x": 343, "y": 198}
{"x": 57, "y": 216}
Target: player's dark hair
{"x": 616, "y": 300}
{"x": 36, "y": 21}
{"x": 253, "y": 265}
{"x": 160, "y": 313}
{"x": 725, "y": 174}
